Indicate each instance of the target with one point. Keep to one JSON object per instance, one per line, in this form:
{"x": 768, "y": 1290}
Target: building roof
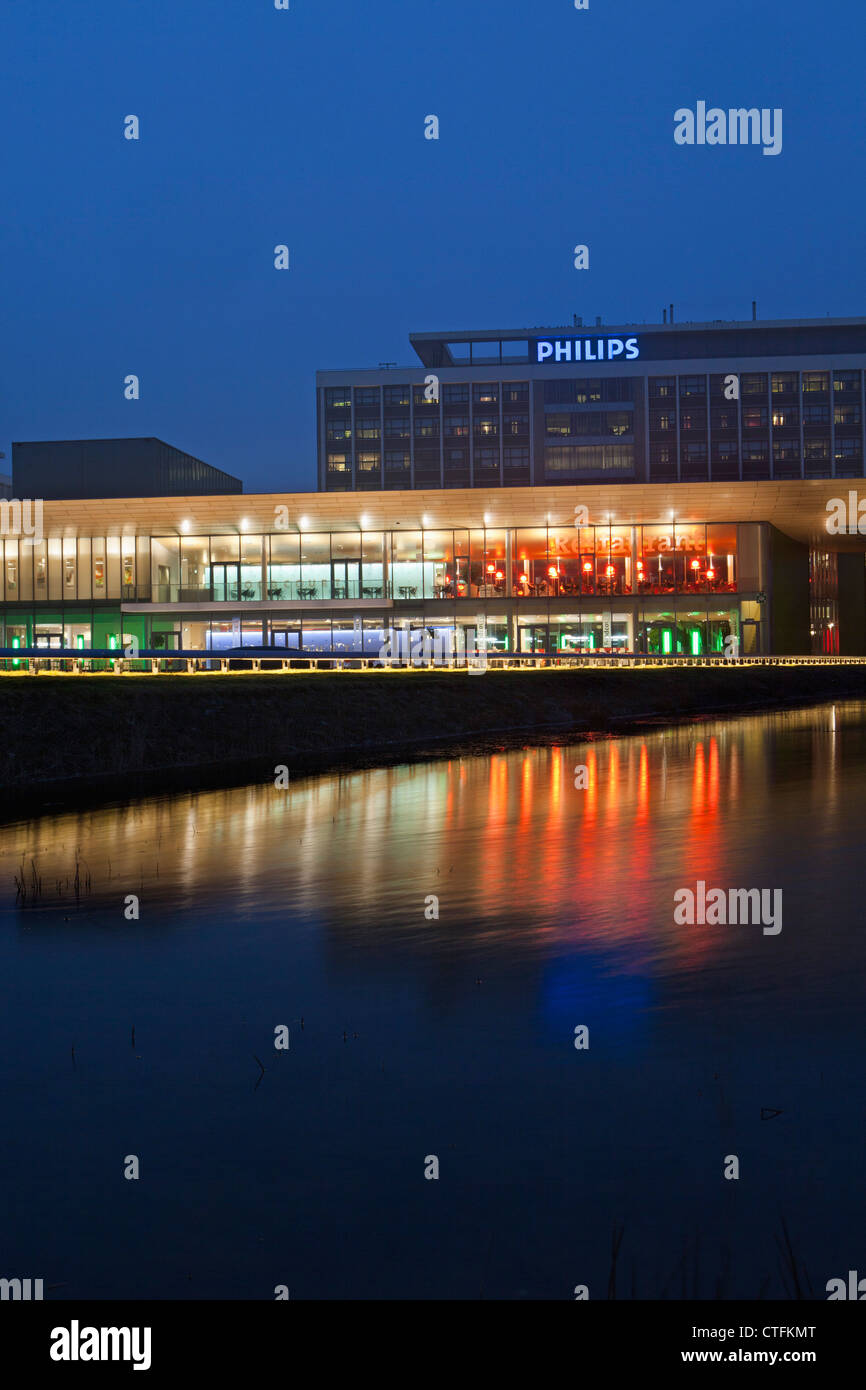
{"x": 798, "y": 508}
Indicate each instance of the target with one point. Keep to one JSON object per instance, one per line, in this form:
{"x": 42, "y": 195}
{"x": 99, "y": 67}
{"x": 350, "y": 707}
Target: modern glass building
{"x": 659, "y": 403}
{"x": 642, "y": 488}
{"x": 639, "y": 568}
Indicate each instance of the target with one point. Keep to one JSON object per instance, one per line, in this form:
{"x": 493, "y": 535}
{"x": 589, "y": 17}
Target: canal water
{"x": 432, "y": 936}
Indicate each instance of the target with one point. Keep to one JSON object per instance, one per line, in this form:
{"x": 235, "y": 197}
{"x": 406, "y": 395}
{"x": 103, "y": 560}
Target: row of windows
{"x": 428, "y": 428}
{"x": 587, "y": 390}
{"x": 755, "y": 417}
{"x": 589, "y": 458}
{"x": 815, "y": 451}
{"x": 591, "y": 422}
{"x": 401, "y": 461}
{"x": 483, "y": 393}
{"x": 756, "y": 384}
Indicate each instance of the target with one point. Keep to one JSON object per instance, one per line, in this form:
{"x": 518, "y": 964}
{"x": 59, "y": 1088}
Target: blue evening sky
{"x": 306, "y": 128}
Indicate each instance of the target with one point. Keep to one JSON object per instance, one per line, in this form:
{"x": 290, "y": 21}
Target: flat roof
{"x": 797, "y": 507}
{"x": 481, "y": 335}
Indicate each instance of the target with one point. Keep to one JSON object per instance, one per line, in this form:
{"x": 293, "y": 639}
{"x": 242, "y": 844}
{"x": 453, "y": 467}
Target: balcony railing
{"x": 327, "y": 590}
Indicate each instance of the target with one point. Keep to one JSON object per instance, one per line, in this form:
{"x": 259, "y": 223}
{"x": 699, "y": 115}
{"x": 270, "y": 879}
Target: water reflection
{"x": 555, "y": 908}
{"x": 516, "y": 852}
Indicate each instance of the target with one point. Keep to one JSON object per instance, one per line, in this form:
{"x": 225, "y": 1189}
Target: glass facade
{"x": 667, "y": 587}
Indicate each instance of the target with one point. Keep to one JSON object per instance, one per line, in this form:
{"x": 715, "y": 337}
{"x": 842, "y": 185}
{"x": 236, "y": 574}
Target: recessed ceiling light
{"x": 184, "y": 526}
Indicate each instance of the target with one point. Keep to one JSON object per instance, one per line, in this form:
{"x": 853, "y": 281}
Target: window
{"x": 485, "y": 394}
{"x": 560, "y": 392}
{"x": 515, "y": 393}
{"x": 339, "y": 463}
{"x": 338, "y": 398}
{"x": 487, "y": 460}
{"x": 661, "y": 387}
{"x": 591, "y": 458}
{"x": 365, "y": 429}
{"x": 754, "y": 417}
{"x": 368, "y": 463}
{"x": 366, "y": 395}
{"x": 753, "y": 384}
{"x": 723, "y": 421}
{"x": 784, "y": 383}
{"x": 847, "y": 449}
{"x": 786, "y": 417}
{"x": 661, "y": 421}
{"x": 427, "y": 428}
{"x": 663, "y": 456}
{"x": 756, "y": 451}
{"x": 618, "y": 388}
{"x": 515, "y": 458}
{"x": 587, "y": 391}
{"x": 487, "y": 426}
{"x": 693, "y": 386}
{"x": 516, "y": 424}
{"x": 397, "y": 463}
{"x": 396, "y": 395}
{"x": 816, "y": 414}
{"x": 618, "y": 422}
{"x": 694, "y": 420}
{"x": 456, "y": 395}
{"x": 846, "y": 382}
{"x": 557, "y": 425}
{"x": 337, "y": 432}
{"x": 398, "y": 425}
{"x": 847, "y": 414}
{"x": 786, "y": 451}
{"x": 457, "y": 425}
{"x": 695, "y": 453}
{"x": 817, "y": 450}
{"x": 815, "y": 381}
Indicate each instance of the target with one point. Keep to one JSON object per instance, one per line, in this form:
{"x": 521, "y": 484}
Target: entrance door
{"x": 750, "y": 637}
{"x": 533, "y": 637}
{"x": 226, "y": 582}
{"x": 345, "y": 578}
{"x": 286, "y": 635}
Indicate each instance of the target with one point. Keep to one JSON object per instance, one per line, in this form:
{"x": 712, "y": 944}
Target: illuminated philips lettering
{"x": 585, "y": 349}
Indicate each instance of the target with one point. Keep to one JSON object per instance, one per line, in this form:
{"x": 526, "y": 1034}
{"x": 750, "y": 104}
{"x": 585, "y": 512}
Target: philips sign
{"x": 585, "y": 349}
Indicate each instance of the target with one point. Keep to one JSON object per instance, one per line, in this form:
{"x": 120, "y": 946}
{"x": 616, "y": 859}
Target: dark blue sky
{"x": 306, "y": 127}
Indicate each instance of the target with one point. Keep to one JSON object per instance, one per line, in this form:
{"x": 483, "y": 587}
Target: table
{"x": 408, "y": 590}
{"x": 372, "y": 593}
{"x": 306, "y": 590}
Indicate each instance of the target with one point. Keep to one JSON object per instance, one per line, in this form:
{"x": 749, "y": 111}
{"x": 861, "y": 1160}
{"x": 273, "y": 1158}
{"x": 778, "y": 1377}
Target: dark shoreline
{"x": 179, "y": 734}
